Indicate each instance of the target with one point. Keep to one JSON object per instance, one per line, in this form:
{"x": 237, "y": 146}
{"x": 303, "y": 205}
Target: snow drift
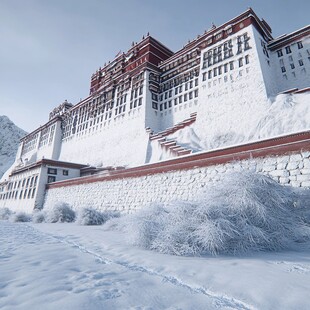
{"x": 243, "y": 212}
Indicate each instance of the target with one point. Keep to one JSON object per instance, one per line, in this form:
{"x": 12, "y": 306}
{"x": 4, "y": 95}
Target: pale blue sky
{"x": 50, "y": 48}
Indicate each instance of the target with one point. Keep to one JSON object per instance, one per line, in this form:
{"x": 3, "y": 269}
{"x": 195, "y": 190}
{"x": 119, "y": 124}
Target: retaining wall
{"x": 285, "y": 159}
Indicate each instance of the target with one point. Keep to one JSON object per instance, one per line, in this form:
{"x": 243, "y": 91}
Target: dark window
{"x": 161, "y": 107}
{"x": 204, "y": 76}
{"x": 33, "y": 192}
{"x": 140, "y": 101}
{"x": 215, "y": 72}
{"x": 185, "y": 97}
{"x": 239, "y": 43}
{"x": 283, "y": 69}
{"x": 209, "y": 74}
{"x": 299, "y": 44}
{"x": 247, "y": 59}
{"x": 52, "y": 171}
{"x": 301, "y": 63}
{"x": 246, "y": 40}
{"x": 51, "y": 179}
{"x": 231, "y": 65}
{"x": 240, "y": 62}
{"x": 288, "y": 50}
{"x": 225, "y": 68}
{"x": 196, "y": 93}
{"x": 169, "y": 103}
{"x": 154, "y": 96}
{"x": 190, "y": 95}
{"x": 65, "y": 172}
{"x": 220, "y": 70}
{"x": 196, "y": 82}
{"x": 292, "y": 66}
{"x": 154, "y": 105}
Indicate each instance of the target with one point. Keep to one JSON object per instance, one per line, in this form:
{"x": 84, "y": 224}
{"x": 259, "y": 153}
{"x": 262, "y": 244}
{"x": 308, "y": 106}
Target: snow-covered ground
{"x": 284, "y": 114}
{"x": 68, "y": 266}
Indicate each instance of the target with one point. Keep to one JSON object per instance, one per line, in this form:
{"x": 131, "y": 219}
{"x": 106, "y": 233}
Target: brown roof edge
{"x": 50, "y": 162}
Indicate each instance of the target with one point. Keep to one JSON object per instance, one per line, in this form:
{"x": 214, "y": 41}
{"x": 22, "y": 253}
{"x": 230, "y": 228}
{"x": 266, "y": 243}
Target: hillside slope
{"x": 10, "y": 135}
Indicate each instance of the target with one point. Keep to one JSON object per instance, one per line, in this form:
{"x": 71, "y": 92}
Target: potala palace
{"x": 151, "y": 104}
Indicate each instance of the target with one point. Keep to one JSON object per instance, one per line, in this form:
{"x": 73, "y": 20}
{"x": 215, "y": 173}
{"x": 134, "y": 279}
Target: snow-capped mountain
{"x": 10, "y": 135}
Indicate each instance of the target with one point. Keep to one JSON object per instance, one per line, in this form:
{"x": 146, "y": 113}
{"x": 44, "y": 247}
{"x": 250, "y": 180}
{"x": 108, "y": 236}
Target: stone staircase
{"x": 170, "y": 145}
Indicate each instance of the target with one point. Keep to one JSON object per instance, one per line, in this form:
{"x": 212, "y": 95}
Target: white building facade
{"x": 234, "y": 68}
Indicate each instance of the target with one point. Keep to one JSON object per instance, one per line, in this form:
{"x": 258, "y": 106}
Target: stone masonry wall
{"x": 130, "y": 194}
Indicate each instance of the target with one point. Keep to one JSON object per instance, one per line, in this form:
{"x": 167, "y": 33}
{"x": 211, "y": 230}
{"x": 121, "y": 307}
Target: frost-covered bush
{"x": 5, "y": 213}
{"x": 89, "y": 216}
{"x": 38, "y": 216}
{"x": 60, "y": 213}
{"x": 20, "y": 217}
{"x": 243, "y": 212}
{"x": 302, "y": 205}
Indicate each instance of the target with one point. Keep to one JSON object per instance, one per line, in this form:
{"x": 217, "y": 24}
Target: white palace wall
{"x": 107, "y": 145}
{"x": 296, "y": 65}
{"x": 130, "y": 194}
{"x": 235, "y": 100}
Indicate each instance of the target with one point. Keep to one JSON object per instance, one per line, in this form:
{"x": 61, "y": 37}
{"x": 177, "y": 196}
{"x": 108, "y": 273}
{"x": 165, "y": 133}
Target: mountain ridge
{"x": 10, "y": 135}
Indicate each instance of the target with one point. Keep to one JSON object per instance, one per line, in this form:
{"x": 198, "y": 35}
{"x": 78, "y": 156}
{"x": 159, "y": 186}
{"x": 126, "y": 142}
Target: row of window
{"x": 292, "y": 65}
{"x": 288, "y": 49}
{"x": 303, "y": 72}
{"x": 182, "y": 98}
{"x": 177, "y": 90}
{"x": 179, "y": 80}
{"x": 27, "y": 193}
{"x": 224, "y": 68}
{"x": 224, "y": 51}
{"x": 135, "y": 103}
{"x": 54, "y": 171}
{"x": 26, "y": 182}
{"x": 30, "y": 143}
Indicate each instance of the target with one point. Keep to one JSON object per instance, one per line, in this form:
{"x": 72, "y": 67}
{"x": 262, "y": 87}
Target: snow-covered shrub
{"x": 89, "y": 216}
{"x": 60, "y": 213}
{"x": 38, "y": 216}
{"x": 20, "y": 217}
{"x": 243, "y": 212}
{"x": 302, "y": 205}
{"x": 5, "y": 213}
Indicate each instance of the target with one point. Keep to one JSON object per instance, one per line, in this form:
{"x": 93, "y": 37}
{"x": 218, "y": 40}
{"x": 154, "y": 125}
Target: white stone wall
{"x": 130, "y": 194}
